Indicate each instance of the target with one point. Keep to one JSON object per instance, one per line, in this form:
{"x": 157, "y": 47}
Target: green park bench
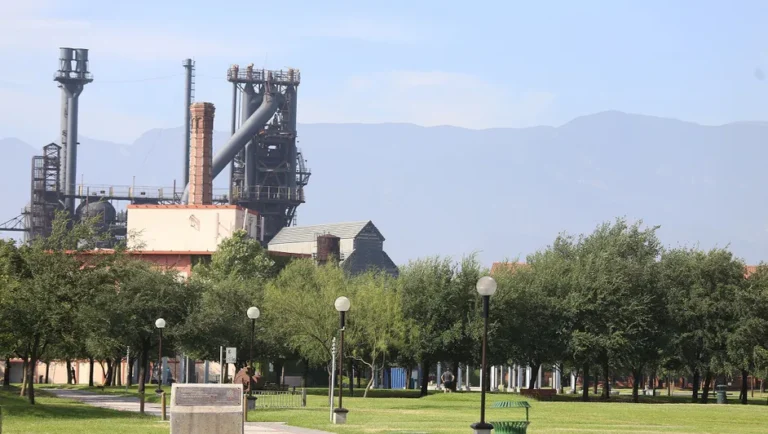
{"x": 511, "y": 426}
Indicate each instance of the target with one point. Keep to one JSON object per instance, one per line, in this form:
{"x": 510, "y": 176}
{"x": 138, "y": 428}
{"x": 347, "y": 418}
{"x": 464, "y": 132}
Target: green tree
{"x": 300, "y": 302}
{"x": 237, "y": 257}
{"x": 41, "y": 306}
{"x": 140, "y": 295}
{"x": 748, "y": 340}
{"x": 234, "y": 281}
{"x": 424, "y": 282}
{"x": 615, "y": 284}
{"x": 701, "y": 289}
{"x": 376, "y": 325}
{"x": 532, "y": 323}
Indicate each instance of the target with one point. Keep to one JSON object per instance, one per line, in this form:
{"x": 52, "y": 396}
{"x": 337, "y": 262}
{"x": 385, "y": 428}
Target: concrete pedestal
{"x": 481, "y": 428}
{"x": 340, "y": 416}
{"x": 205, "y": 409}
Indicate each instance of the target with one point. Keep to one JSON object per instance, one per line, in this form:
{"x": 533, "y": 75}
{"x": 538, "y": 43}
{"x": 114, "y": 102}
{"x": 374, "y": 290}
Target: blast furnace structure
{"x": 268, "y": 173}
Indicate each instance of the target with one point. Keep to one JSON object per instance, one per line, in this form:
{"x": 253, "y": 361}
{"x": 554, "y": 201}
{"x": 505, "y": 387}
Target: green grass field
{"x": 453, "y": 413}
{"x": 437, "y": 413}
{"x": 57, "y": 416}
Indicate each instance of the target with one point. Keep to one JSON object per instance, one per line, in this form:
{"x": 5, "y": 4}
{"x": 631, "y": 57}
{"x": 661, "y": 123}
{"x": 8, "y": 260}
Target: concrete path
{"x": 128, "y": 403}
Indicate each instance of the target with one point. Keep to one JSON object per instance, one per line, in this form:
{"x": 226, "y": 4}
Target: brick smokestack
{"x": 201, "y": 154}
{"x": 328, "y": 248}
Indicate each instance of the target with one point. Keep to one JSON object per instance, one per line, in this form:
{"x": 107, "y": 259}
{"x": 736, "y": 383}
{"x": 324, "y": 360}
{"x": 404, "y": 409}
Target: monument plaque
{"x": 207, "y": 409}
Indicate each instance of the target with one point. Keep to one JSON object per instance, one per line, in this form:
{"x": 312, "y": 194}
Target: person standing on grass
{"x": 447, "y": 379}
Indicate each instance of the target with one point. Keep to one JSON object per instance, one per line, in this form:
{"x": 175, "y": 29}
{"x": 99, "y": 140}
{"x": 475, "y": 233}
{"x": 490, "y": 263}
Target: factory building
{"x": 360, "y": 245}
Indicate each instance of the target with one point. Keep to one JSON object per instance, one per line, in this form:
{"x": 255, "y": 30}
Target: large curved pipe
{"x": 241, "y": 137}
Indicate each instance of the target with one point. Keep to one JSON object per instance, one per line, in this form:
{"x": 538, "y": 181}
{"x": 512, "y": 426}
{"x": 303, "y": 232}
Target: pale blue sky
{"x": 473, "y": 64}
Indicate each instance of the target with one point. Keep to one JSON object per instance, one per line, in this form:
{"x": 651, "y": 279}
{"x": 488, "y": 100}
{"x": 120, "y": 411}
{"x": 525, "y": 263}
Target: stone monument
{"x": 207, "y": 409}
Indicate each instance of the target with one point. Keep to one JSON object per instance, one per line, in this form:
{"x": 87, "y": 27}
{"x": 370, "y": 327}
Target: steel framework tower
{"x": 269, "y": 174}
{"x": 45, "y": 192}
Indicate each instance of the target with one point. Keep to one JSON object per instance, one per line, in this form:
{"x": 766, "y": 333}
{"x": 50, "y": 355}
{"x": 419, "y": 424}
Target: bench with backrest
{"x": 511, "y": 426}
{"x": 539, "y": 394}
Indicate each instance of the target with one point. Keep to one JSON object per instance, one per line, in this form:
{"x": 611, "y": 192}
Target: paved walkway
{"x": 128, "y": 403}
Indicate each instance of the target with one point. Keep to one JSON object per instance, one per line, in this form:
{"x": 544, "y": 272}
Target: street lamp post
{"x": 160, "y": 324}
{"x": 253, "y": 313}
{"x": 342, "y": 305}
{"x": 486, "y": 286}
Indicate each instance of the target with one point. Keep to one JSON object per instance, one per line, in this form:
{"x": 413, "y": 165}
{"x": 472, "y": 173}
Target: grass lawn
{"x": 453, "y": 413}
{"x": 60, "y": 416}
{"x": 149, "y": 396}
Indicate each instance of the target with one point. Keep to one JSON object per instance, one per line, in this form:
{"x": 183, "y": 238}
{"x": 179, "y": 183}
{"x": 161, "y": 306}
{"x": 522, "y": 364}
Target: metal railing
{"x": 261, "y": 75}
{"x": 266, "y": 192}
{"x": 295, "y": 398}
{"x": 142, "y": 192}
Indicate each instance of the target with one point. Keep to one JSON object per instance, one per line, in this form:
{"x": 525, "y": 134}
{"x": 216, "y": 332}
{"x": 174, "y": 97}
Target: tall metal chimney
{"x": 72, "y": 81}
{"x": 201, "y": 155}
{"x": 189, "y": 66}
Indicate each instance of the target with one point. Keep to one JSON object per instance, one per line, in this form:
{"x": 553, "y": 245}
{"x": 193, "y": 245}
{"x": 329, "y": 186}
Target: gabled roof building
{"x": 360, "y": 246}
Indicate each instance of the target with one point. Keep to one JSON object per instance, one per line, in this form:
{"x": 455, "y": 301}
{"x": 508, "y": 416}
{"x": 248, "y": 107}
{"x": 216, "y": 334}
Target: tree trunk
{"x": 597, "y": 382}
{"x": 707, "y": 382}
{"x": 408, "y": 374}
{"x": 744, "y": 374}
{"x": 129, "y": 377}
{"x": 424, "y": 377}
{"x": 108, "y": 375}
{"x": 24, "y": 376}
{"x": 90, "y": 372}
{"x": 69, "y": 371}
{"x": 606, "y": 380}
{"x": 695, "y": 386}
{"x": 534, "y": 377}
{"x": 143, "y": 367}
{"x": 7, "y": 373}
{"x": 31, "y": 371}
{"x": 278, "y": 366}
{"x": 653, "y": 383}
{"x": 635, "y": 385}
{"x": 118, "y": 373}
{"x": 762, "y": 385}
{"x": 351, "y": 368}
{"x": 370, "y": 385}
{"x": 47, "y": 371}
{"x": 585, "y": 384}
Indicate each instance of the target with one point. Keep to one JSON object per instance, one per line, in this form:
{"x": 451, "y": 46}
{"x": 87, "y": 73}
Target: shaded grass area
{"x": 149, "y": 396}
{"x": 62, "y": 416}
{"x": 453, "y": 413}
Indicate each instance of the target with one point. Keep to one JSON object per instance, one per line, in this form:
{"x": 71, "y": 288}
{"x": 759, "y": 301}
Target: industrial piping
{"x": 242, "y": 136}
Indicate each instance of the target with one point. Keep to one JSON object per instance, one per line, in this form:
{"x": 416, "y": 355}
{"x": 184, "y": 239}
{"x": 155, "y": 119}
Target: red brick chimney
{"x": 201, "y": 154}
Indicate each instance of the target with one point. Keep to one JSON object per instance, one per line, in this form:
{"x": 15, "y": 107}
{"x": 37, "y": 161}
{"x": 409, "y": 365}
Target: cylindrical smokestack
{"x": 63, "y": 126}
{"x": 70, "y": 187}
{"x": 187, "y": 103}
{"x": 81, "y": 66}
{"x": 65, "y": 59}
{"x": 201, "y": 154}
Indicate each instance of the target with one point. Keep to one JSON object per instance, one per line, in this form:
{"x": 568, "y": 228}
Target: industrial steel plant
{"x": 267, "y": 176}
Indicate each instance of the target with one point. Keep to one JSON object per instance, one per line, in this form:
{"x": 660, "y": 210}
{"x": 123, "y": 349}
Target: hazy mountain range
{"x": 503, "y": 192}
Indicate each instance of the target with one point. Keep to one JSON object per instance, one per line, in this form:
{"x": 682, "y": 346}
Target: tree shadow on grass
{"x": 48, "y": 407}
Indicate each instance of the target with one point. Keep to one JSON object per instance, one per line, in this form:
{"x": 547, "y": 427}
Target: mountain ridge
{"x": 503, "y": 191}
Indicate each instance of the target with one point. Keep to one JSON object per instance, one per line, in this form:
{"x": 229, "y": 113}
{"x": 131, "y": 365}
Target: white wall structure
{"x": 187, "y": 228}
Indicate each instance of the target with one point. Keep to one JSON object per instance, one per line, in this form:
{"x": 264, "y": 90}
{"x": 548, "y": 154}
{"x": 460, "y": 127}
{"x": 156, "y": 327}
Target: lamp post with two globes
{"x": 486, "y": 287}
{"x": 342, "y": 305}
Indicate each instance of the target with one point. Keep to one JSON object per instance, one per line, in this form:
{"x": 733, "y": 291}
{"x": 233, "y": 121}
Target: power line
{"x": 138, "y": 80}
